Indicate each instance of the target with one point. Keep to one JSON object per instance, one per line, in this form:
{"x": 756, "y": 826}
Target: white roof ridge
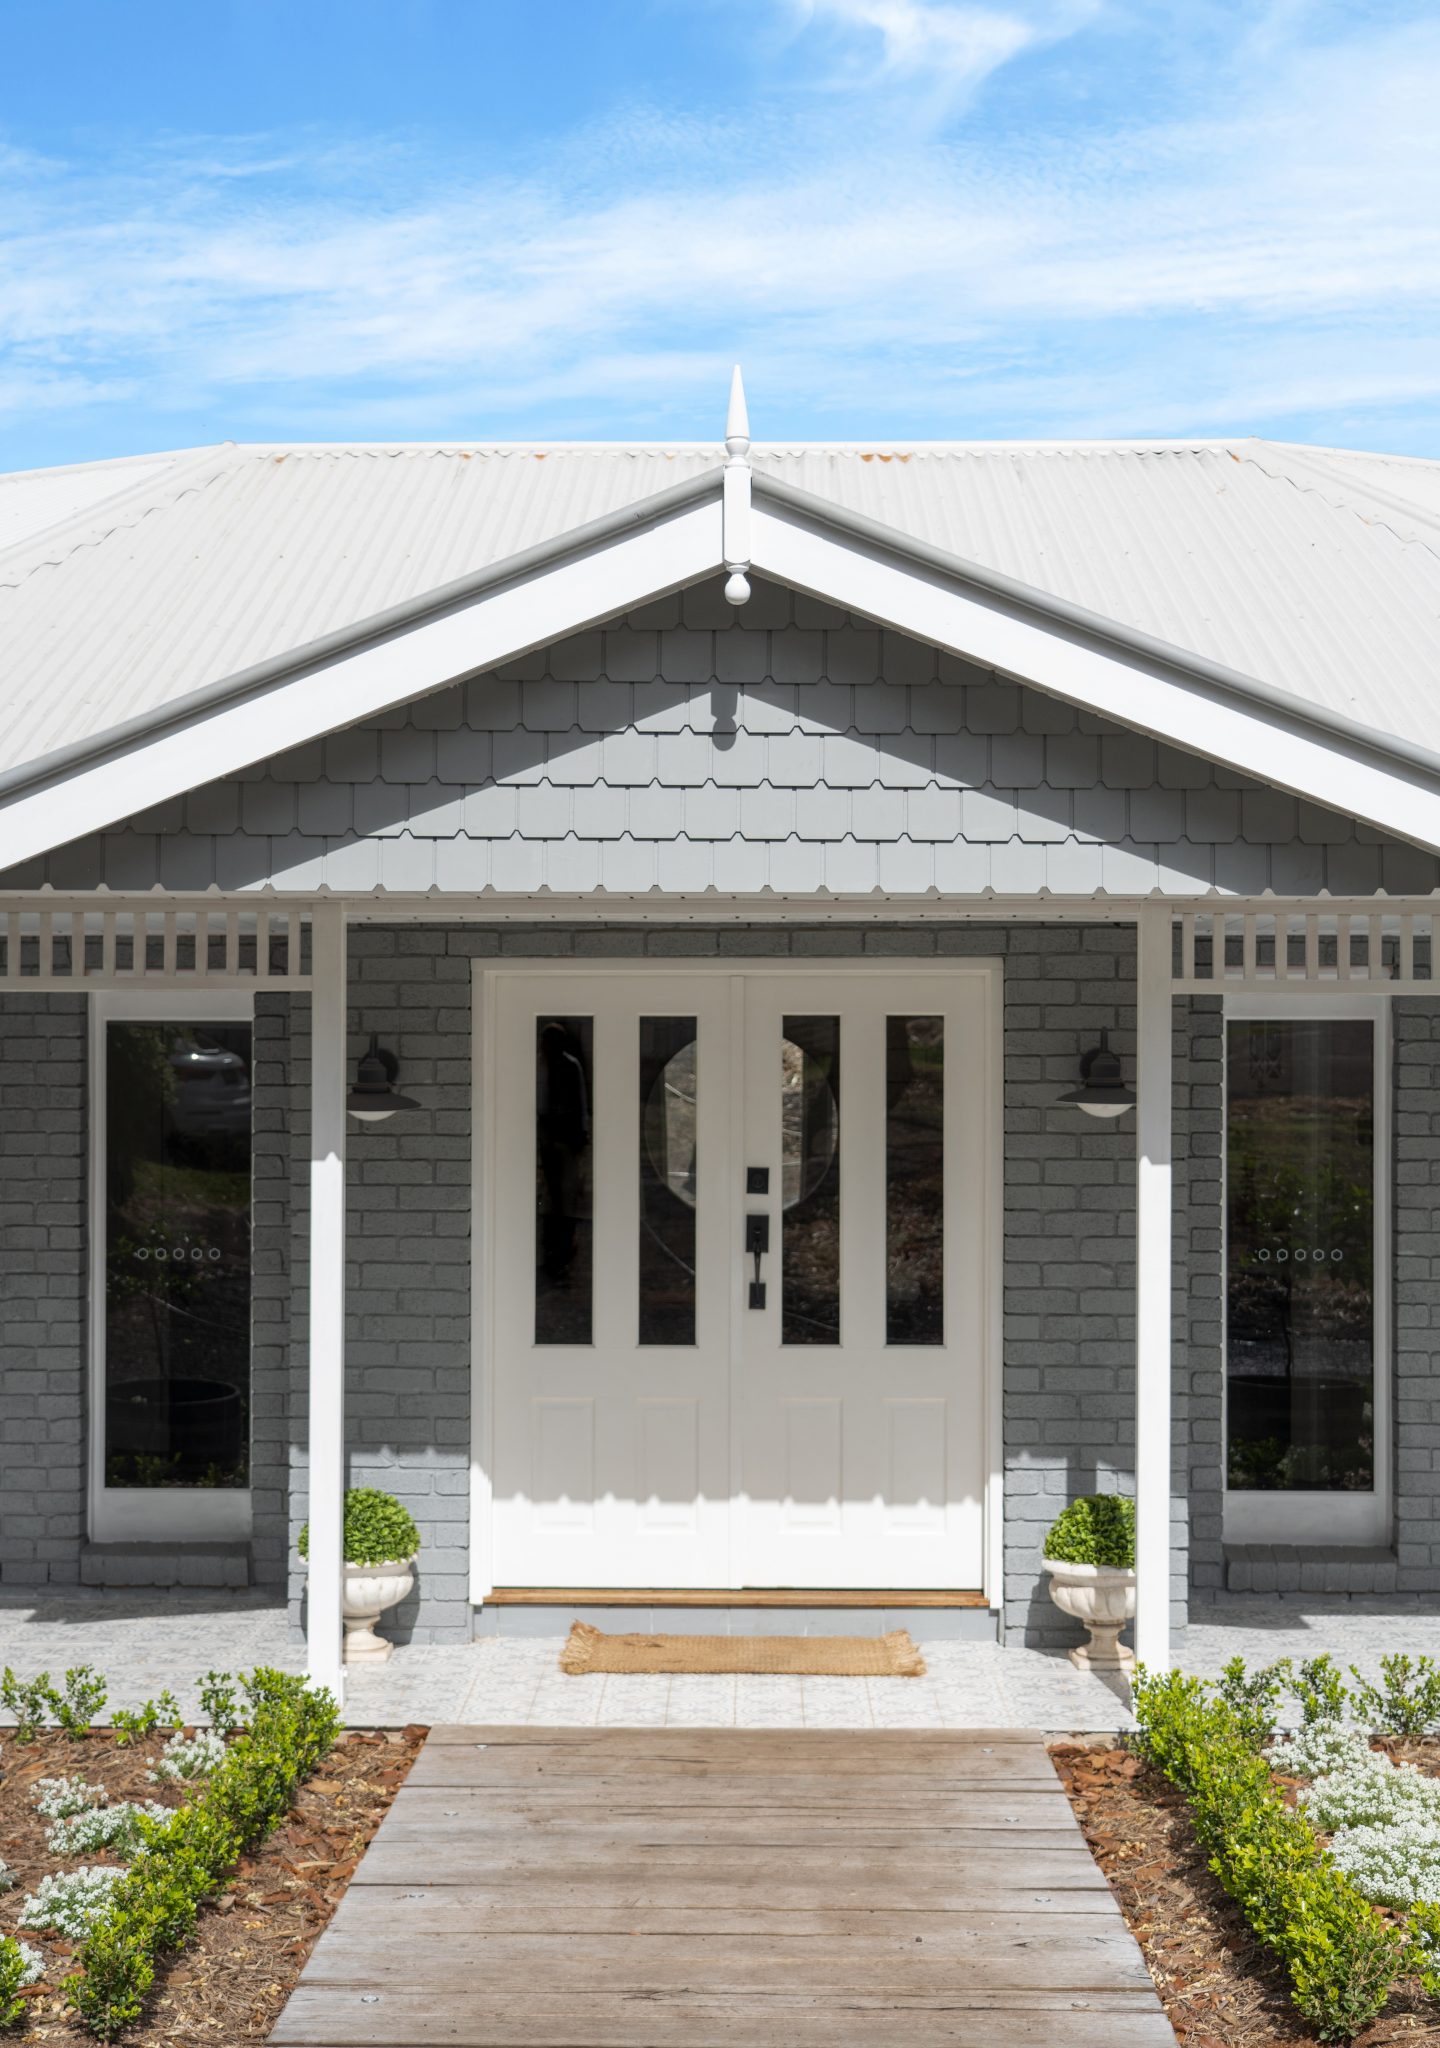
{"x": 95, "y": 522}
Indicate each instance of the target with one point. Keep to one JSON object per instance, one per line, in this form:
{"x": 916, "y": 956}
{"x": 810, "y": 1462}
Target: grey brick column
{"x": 1200, "y": 1308}
{"x": 43, "y": 1349}
{"x": 1069, "y": 1335}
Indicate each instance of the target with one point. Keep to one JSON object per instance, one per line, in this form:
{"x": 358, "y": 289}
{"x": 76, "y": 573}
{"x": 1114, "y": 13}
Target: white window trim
{"x": 1320, "y": 1519}
{"x": 159, "y": 1514}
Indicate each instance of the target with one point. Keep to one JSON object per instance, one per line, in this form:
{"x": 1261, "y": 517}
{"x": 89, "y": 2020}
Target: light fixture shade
{"x": 375, "y": 1096}
{"x": 1102, "y": 1091}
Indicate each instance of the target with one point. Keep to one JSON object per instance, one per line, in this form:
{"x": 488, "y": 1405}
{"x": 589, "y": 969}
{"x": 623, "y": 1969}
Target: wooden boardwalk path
{"x": 727, "y": 1888}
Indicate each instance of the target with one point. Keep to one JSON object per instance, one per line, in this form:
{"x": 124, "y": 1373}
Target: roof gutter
{"x": 283, "y": 668}
{"x": 1179, "y": 663}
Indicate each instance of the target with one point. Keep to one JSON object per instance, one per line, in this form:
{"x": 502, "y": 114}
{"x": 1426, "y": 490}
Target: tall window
{"x": 1300, "y": 1254}
{"x": 177, "y": 1255}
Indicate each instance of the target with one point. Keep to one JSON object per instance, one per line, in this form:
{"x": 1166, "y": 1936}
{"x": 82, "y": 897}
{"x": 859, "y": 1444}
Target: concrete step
{"x": 165, "y": 1564}
{"x": 1309, "y": 1568}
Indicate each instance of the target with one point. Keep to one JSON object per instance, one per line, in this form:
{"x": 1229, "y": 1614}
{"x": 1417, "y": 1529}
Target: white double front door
{"x": 737, "y": 1230}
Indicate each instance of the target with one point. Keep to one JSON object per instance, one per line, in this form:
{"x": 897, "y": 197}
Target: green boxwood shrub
{"x": 1099, "y": 1528}
{"x": 153, "y": 1907}
{"x": 377, "y": 1529}
{"x": 1341, "y": 1955}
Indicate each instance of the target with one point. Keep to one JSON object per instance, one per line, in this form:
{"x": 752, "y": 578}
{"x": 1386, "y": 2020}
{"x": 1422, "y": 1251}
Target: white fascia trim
{"x": 983, "y": 627}
{"x": 528, "y": 611}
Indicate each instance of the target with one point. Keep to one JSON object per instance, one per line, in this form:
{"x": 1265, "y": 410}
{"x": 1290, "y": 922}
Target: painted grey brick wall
{"x": 1417, "y": 1292}
{"x": 42, "y": 1287}
{"x": 785, "y": 745}
{"x": 1069, "y": 1251}
{"x": 1200, "y": 1320}
{"x": 408, "y": 1284}
{"x": 280, "y": 1122}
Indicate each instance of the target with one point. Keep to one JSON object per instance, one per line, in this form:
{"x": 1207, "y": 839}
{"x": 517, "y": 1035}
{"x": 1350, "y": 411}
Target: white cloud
{"x": 918, "y": 36}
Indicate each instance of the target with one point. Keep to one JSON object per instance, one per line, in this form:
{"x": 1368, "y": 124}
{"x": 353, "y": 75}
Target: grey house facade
{"x": 707, "y": 842}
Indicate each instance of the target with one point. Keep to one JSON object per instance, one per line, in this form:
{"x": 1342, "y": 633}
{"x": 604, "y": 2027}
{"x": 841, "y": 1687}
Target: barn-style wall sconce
{"x": 375, "y": 1096}
{"x": 1102, "y": 1090}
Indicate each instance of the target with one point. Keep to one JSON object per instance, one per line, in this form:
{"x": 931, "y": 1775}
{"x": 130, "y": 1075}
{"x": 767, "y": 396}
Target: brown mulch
{"x": 1220, "y": 1988}
{"x": 228, "y": 1985}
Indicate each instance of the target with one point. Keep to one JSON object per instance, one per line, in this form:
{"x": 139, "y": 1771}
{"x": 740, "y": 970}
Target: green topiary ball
{"x": 377, "y": 1529}
{"x": 1099, "y": 1528}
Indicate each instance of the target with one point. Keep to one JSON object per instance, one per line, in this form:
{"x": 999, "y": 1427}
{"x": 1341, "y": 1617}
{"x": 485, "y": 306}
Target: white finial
{"x": 737, "y": 494}
{"x": 737, "y": 419}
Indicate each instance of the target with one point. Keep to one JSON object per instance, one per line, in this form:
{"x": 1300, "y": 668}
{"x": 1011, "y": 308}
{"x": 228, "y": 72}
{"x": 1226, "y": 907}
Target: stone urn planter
{"x": 368, "y": 1590}
{"x": 1102, "y": 1597}
{"x": 381, "y": 1545}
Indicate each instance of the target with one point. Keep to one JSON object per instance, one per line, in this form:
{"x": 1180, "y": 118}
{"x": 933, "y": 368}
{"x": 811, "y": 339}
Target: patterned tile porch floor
{"x": 143, "y": 1642}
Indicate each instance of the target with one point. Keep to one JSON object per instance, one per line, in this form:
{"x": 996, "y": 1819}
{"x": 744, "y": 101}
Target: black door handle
{"x": 757, "y": 1243}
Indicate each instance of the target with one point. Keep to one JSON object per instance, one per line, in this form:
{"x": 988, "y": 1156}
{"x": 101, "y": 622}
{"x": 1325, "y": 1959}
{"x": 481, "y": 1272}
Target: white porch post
{"x": 1153, "y": 1214}
{"x": 327, "y": 1294}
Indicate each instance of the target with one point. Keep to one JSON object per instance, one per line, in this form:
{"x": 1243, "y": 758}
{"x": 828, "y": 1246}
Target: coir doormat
{"x": 888, "y": 1656}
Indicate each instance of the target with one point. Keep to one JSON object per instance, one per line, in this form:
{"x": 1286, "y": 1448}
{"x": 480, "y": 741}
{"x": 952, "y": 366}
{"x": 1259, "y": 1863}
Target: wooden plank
{"x": 485, "y": 2019}
{"x": 769, "y": 1596}
{"x": 814, "y": 1743}
{"x": 668, "y": 1817}
{"x": 601, "y": 1901}
{"x": 693, "y": 1780}
{"x": 437, "y": 1858}
{"x": 776, "y": 1774}
{"x": 724, "y": 1966}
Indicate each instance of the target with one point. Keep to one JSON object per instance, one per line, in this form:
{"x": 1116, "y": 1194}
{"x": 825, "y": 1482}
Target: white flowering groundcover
{"x": 1382, "y": 1818}
{"x": 84, "y": 1822}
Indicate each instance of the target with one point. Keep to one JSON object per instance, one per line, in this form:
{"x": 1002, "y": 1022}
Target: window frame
{"x": 147, "y": 1514}
{"x": 1312, "y": 1518}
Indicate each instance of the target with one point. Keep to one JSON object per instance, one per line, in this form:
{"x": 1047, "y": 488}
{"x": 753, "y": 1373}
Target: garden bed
{"x": 228, "y": 1984}
{"x": 1220, "y": 1987}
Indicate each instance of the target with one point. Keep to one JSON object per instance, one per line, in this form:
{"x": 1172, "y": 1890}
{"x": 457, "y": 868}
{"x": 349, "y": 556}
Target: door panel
{"x": 611, "y": 1462}
{"x": 862, "y": 1458}
{"x": 658, "y": 1419}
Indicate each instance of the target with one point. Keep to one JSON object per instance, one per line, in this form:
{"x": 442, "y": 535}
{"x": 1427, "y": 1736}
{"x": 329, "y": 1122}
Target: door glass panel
{"x": 668, "y": 1071}
{"x": 1300, "y": 1196}
{"x": 177, "y": 1255}
{"x": 914, "y": 1180}
{"x": 810, "y": 1180}
{"x": 564, "y": 1229}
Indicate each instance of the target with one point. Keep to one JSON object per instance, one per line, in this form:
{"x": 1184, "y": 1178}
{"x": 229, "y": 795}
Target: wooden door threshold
{"x": 764, "y": 1596}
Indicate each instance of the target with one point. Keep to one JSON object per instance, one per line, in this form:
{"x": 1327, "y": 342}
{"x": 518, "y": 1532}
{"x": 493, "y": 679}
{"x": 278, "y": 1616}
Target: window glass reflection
{"x": 1300, "y": 1162}
{"x": 177, "y": 1255}
{"x": 668, "y": 1104}
{"x": 564, "y": 1236}
{"x": 810, "y": 1180}
{"x": 914, "y": 1180}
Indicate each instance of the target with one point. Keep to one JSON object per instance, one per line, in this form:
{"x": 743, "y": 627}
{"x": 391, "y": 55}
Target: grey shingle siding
{"x": 784, "y": 746}
{"x": 43, "y": 1176}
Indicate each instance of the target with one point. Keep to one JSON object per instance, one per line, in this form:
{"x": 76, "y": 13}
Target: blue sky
{"x": 512, "y": 219}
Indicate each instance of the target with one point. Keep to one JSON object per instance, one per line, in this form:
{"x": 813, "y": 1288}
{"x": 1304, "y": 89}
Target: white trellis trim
{"x": 222, "y": 945}
{"x": 1379, "y": 948}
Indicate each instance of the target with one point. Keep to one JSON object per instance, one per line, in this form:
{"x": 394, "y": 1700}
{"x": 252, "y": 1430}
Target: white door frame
{"x": 486, "y": 977}
{"x": 1300, "y": 1517}
{"x": 148, "y": 1514}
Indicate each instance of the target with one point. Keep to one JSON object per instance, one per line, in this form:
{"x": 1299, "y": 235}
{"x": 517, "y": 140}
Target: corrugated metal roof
{"x": 1316, "y": 571}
